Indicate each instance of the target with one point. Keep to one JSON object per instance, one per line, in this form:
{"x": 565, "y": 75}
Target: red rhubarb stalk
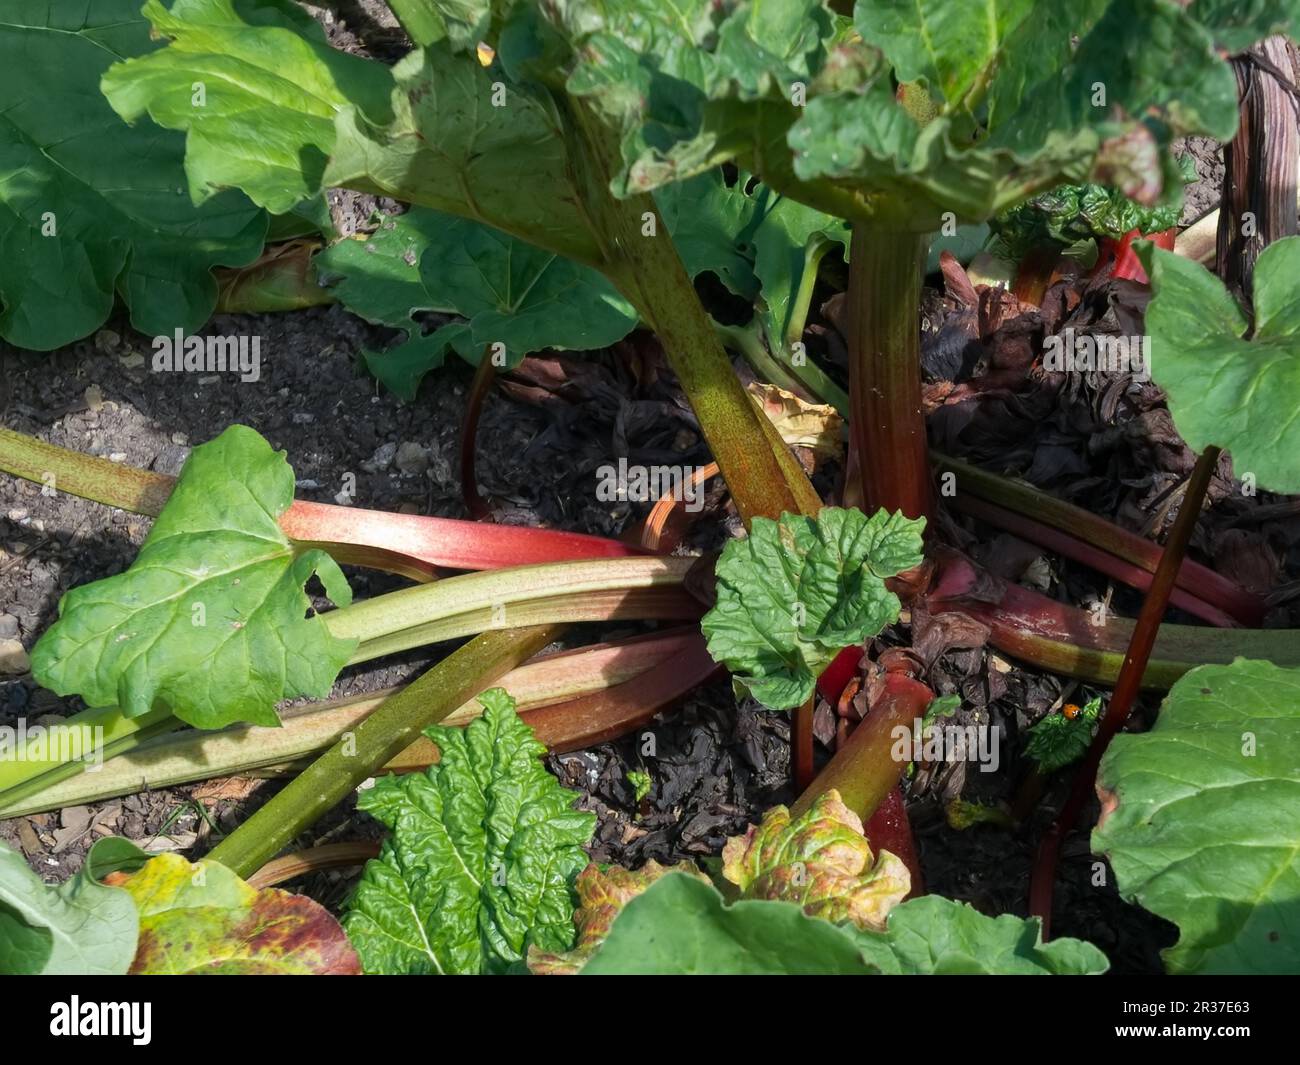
{"x": 888, "y": 828}
{"x": 864, "y": 770}
{"x": 1120, "y": 252}
{"x": 1072, "y": 548}
{"x": 887, "y": 422}
{"x": 1085, "y": 527}
{"x": 1043, "y": 879}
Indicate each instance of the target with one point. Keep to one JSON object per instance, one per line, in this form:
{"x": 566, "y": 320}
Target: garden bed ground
{"x": 718, "y": 766}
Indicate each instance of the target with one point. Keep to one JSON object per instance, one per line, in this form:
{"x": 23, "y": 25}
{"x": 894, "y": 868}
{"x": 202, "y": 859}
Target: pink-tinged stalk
{"x": 1103, "y": 562}
{"x": 1085, "y": 528}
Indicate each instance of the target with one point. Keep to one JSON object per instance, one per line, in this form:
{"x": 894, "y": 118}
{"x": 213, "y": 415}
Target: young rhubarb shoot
{"x": 480, "y": 863}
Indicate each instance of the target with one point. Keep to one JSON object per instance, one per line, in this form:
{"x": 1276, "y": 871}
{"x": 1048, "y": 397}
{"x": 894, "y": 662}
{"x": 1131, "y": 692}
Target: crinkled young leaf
{"x": 670, "y": 85}
{"x": 79, "y": 928}
{"x": 792, "y": 594}
{"x": 680, "y": 926}
{"x": 1071, "y": 213}
{"x": 201, "y": 919}
{"x": 512, "y": 293}
{"x": 1202, "y": 821}
{"x": 272, "y": 88}
{"x": 820, "y": 860}
{"x": 602, "y": 894}
{"x": 90, "y": 208}
{"x": 1224, "y": 389}
{"x": 209, "y": 620}
{"x": 1057, "y": 741}
{"x": 482, "y": 856}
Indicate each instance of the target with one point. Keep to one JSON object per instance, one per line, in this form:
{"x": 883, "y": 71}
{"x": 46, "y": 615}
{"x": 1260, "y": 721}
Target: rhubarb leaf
{"x": 79, "y": 928}
{"x": 602, "y": 894}
{"x": 202, "y": 920}
{"x": 1224, "y": 389}
{"x": 271, "y": 90}
{"x": 483, "y": 852}
{"x": 1201, "y": 819}
{"x": 934, "y": 935}
{"x": 512, "y": 294}
{"x": 442, "y": 142}
{"x": 821, "y": 860}
{"x": 209, "y": 620}
{"x": 1025, "y": 94}
{"x": 948, "y": 45}
{"x": 90, "y": 208}
{"x": 792, "y": 594}
{"x": 1237, "y": 24}
{"x": 680, "y": 926}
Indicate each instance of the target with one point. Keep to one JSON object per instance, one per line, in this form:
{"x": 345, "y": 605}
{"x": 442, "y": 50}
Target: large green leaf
{"x": 90, "y": 208}
{"x": 209, "y": 619}
{"x": 202, "y": 919}
{"x": 512, "y": 293}
{"x": 936, "y": 935}
{"x": 680, "y": 926}
{"x": 1203, "y": 821}
{"x": 1223, "y": 388}
{"x": 1015, "y": 83}
{"x": 947, "y": 45}
{"x": 792, "y": 594}
{"x": 272, "y": 87}
{"x": 480, "y": 865}
{"x": 80, "y": 928}
{"x": 443, "y": 142}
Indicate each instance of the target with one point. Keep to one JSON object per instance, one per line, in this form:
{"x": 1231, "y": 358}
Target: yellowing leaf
{"x": 820, "y": 860}
{"x": 202, "y": 919}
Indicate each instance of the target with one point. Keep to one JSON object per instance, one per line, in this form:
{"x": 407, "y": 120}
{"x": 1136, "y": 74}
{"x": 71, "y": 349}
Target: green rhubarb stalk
{"x": 764, "y": 478}
{"x": 158, "y": 757}
{"x": 58, "y": 469}
{"x": 385, "y": 733}
{"x": 887, "y": 424}
{"x": 650, "y": 588}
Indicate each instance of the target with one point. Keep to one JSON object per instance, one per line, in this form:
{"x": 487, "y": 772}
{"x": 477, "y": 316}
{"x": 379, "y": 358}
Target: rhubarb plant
{"x": 484, "y": 848}
{"x": 1200, "y": 818}
{"x": 904, "y": 120}
{"x": 426, "y": 131}
{"x": 793, "y": 593}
